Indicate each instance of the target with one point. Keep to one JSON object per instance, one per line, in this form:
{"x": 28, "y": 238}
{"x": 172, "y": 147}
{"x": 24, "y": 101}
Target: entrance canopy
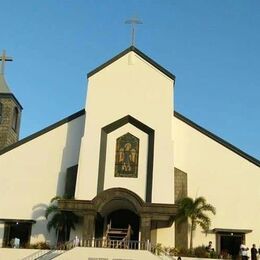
{"x": 114, "y": 199}
{"x": 230, "y": 230}
{"x": 7, "y": 220}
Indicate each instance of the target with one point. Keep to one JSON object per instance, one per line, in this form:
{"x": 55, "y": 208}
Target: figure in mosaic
{"x": 127, "y": 149}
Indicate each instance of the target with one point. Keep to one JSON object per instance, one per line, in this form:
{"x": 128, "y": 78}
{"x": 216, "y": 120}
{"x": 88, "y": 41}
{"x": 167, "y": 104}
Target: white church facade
{"x": 126, "y": 158}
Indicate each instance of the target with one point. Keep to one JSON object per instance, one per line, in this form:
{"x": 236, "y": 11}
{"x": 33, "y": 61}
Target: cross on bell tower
{"x": 3, "y": 59}
{"x": 10, "y": 109}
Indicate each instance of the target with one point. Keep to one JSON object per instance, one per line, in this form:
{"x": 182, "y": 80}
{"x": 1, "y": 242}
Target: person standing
{"x": 243, "y": 252}
{"x": 209, "y": 247}
{"x": 253, "y": 252}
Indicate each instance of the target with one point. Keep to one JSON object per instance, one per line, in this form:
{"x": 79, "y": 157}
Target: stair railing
{"x": 164, "y": 255}
{"x": 60, "y": 249}
{"x": 36, "y": 254}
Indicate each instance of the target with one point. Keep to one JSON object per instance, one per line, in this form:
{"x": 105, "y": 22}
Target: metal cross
{"x": 4, "y": 58}
{"x": 133, "y": 21}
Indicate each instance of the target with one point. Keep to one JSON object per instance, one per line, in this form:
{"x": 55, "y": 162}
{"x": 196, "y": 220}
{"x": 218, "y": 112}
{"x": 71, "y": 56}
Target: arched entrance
{"x": 117, "y": 210}
{"x": 122, "y": 218}
{"x": 122, "y": 207}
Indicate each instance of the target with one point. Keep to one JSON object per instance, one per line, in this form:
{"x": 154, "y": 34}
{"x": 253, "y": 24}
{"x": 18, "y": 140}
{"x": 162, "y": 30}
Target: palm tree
{"x": 60, "y": 221}
{"x": 194, "y": 211}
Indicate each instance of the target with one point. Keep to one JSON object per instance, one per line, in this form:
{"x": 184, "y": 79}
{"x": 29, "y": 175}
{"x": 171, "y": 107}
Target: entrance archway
{"x": 122, "y": 218}
{"x": 118, "y": 212}
{"x": 125, "y": 202}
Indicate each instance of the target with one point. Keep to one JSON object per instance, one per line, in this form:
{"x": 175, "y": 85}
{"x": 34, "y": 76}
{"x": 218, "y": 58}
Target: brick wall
{"x": 8, "y": 135}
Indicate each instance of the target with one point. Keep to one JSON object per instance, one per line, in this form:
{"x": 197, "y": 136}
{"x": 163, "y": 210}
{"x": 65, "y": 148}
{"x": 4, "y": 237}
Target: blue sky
{"x": 212, "y": 46}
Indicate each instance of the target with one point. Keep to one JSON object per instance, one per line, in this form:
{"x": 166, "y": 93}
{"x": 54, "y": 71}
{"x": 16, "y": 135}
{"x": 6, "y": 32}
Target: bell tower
{"x": 10, "y": 110}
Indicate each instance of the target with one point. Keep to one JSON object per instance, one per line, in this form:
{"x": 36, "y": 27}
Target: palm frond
{"x": 51, "y": 209}
{"x": 204, "y": 224}
{"x": 209, "y": 207}
{"x": 184, "y": 208}
{"x": 195, "y": 212}
{"x": 198, "y": 202}
{"x": 56, "y": 198}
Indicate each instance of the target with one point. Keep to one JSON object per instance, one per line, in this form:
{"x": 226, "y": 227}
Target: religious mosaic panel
{"x": 127, "y": 152}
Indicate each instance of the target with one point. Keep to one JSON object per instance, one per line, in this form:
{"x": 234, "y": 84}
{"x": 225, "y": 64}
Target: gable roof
{"x": 43, "y": 131}
{"x": 176, "y": 114}
{"x": 138, "y": 52}
{"x": 217, "y": 139}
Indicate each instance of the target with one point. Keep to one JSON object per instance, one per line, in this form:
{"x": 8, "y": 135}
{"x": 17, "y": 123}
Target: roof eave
{"x": 43, "y": 131}
{"x": 11, "y": 95}
{"x": 217, "y": 139}
{"x": 138, "y": 52}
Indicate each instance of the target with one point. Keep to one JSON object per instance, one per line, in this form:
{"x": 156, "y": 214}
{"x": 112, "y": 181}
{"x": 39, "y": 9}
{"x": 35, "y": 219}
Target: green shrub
{"x": 201, "y": 251}
{"x": 185, "y": 252}
{"x": 39, "y": 245}
{"x": 213, "y": 254}
{"x": 173, "y": 251}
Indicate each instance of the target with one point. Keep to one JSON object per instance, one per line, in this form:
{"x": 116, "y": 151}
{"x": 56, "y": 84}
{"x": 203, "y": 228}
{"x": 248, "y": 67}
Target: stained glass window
{"x": 127, "y": 152}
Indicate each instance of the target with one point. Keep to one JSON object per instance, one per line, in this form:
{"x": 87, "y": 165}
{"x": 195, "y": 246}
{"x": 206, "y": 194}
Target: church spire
{"x": 3, "y": 59}
{"x": 10, "y": 110}
{"x": 3, "y": 85}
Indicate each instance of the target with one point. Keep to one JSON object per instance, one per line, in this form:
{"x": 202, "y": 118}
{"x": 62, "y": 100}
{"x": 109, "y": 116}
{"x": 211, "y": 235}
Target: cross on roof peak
{"x": 3, "y": 59}
{"x": 133, "y": 21}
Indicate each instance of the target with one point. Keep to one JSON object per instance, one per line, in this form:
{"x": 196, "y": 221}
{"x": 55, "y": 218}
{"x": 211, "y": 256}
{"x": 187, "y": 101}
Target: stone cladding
{"x": 8, "y": 135}
{"x": 180, "y": 191}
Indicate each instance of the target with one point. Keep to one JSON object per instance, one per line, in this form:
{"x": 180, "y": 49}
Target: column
{"x": 145, "y": 227}
{"x": 88, "y": 225}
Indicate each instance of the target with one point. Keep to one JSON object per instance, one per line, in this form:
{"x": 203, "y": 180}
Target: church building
{"x": 124, "y": 159}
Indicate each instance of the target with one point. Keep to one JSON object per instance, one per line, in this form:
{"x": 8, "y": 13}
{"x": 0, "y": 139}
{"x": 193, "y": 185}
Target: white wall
{"x": 33, "y": 173}
{"x": 165, "y": 236}
{"x": 225, "y": 179}
{"x": 140, "y": 90}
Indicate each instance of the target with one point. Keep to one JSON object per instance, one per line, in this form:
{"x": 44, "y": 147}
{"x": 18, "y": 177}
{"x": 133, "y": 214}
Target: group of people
{"x": 15, "y": 242}
{"x": 245, "y": 250}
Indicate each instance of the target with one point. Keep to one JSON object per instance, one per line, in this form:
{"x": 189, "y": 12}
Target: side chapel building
{"x": 126, "y": 158}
